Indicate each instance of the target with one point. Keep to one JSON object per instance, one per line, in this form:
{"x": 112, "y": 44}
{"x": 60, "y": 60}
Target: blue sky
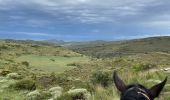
{"x": 83, "y": 20}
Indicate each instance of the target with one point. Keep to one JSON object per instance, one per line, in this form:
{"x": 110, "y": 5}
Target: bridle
{"x": 141, "y": 92}
{"x": 146, "y": 96}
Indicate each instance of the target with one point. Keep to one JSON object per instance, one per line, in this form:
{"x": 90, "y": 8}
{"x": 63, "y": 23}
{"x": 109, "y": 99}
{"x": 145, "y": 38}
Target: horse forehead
{"x": 137, "y": 87}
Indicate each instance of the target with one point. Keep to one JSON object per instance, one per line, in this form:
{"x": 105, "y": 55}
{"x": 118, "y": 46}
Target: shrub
{"x": 3, "y": 47}
{"x": 76, "y": 94}
{"x": 46, "y": 81}
{"x": 56, "y": 92}
{"x": 25, "y": 63}
{"x": 71, "y": 64}
{"x": 140, "y": 67}
{"x": 13, "y": 76}
{"x": 101, "y": 78}
{"x": 34, "y": 95}
{"x": 4, "y": 72}
{"x": 24, "y": 84}
{"x": 66, "y": 55}
{"x": 52, "y": 59}
{"x": 45, "y": 95}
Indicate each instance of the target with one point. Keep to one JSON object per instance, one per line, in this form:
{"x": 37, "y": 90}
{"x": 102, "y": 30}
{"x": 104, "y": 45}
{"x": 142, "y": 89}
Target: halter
{"x": 144, "y": 95}
{"x": 142, "y": 92}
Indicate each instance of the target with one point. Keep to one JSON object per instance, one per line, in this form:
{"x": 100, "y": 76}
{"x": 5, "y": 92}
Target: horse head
{"x": 137, "y": 91}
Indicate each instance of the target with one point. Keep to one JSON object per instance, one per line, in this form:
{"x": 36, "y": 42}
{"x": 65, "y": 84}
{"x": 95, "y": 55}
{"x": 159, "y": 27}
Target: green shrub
{"x": 56, "y": 92}
{"x": 3, "y": 47}
{"x": 72, "y": 64}
{"x": 25, "y": 63}
{"x": 45, "y": 95}
{"x": 13, "y": 76}
{"x": 102, "y": 78}
{"x": 34, "y": 95}
{"x": 4, "y": 72}
{"x": 140, "y": 67}
{"x": 52, "y": 59}
{"x": 24, "y": 84}
{"x": 66, "y": 55}
{"x": 76, "y": 94}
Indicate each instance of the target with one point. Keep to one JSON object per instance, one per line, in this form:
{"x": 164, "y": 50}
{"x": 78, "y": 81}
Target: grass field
{"x": 56, "y": 64}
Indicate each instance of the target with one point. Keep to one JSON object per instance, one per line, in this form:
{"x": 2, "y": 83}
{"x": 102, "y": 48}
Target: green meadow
{"x": 57, "y": 64}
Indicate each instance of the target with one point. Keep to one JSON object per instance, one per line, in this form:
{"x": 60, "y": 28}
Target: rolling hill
{"x": 121, "y": 48}
{"x": 47, "y": 65}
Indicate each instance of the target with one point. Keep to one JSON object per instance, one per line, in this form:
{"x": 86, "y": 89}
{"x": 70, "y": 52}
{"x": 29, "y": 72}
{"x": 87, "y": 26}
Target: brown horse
{"x": 137, "y": 91}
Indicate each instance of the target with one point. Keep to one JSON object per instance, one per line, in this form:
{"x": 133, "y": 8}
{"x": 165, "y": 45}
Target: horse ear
{"x": 156, "y": 89}
{"x": 120, "y": 85}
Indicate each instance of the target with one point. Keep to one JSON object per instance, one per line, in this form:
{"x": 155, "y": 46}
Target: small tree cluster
{"x": 102, "y": 78}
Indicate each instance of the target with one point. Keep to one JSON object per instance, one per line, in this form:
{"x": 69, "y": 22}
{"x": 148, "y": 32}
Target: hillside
{"x": 74, "y": 43}
{"x": 46, "y": 69}
{"x": 39, "y": 55}
{"x": 121, "y": 48}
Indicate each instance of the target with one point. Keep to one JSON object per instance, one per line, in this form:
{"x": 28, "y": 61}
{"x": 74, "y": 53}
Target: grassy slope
{"x": 38, "y": 54}
{"x": 112, "y": 49}
{"x": 126, "y": 54}
{"x": 82, "y": 72}
{"x": 56, "y": 64}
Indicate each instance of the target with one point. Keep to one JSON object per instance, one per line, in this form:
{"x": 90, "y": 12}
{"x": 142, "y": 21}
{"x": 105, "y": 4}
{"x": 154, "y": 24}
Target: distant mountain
{"x": 59, "y": 42}
{"x": 32, "y": 42}
{"x": 74, "y": 43}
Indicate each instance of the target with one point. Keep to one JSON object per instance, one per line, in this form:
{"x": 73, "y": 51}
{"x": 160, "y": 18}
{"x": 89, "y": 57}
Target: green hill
{"x": 41, "y": 56}
{"x": 27, "y": 65}
{"x": 121, "y": 48}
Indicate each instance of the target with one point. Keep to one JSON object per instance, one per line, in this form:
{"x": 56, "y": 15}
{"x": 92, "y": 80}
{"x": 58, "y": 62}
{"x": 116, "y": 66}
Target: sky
{"x": 84, "y": 20}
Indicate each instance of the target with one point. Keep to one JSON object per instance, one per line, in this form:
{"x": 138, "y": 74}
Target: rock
{"x": 166, "y": 69}
{"x": 34, "y": 95}
{"x": 56, "y": 92}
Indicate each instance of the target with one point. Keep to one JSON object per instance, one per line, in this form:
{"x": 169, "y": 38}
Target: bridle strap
{"x": 144, "y": 95}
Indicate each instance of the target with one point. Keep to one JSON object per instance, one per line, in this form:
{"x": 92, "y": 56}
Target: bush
{"x": 56, "y": 92}
{"x": 76, "y": 94}
{"x": 101, "y": 78}
{"x": 13, "y": 76}
{"x": 5, "y": 72}
{"x": 3, "y": 47}
{"x": 140, "y": 67}
{"x": 25, "y": 63}
{"x": 34, "y": 95}
{"x": 72, "y": 64}
{"x": 24, "y": 84}
{"x": 52, "y": 59}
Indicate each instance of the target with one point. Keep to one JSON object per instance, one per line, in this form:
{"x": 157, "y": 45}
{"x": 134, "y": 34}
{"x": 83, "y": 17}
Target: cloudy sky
{"x": 81, "y": 20}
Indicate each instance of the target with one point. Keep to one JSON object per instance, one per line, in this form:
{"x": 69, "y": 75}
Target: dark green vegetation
{"x": 39, "y": 71}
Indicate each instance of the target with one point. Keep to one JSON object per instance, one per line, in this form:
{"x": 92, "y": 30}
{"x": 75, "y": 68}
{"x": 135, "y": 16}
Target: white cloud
{"x": 27, "y": 33}
{"x": 87, "y": 11}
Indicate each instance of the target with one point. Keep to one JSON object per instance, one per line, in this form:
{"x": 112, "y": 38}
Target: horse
{"x": 137, "y": 91}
